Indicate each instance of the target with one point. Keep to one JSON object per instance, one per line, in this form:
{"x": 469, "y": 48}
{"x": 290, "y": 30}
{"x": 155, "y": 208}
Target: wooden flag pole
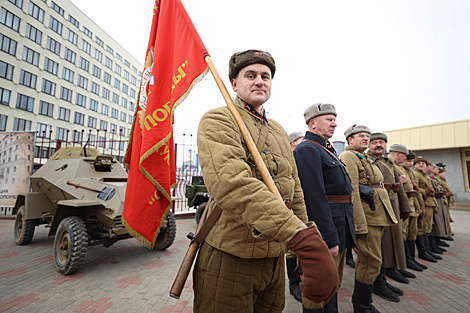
{"x": 245, "y": 133}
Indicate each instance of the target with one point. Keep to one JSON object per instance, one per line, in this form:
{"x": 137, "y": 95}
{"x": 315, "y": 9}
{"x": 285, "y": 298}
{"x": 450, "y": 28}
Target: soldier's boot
{"x": 407, "y": 274}
{"x": 380, "y": 289}
{"x": 441, "y": 243}
{"x": 412, "y": 249}
{"x": 409, "y": 261}
{"x": 423, "y": 250}
{"x": 349, "y": 258}
{"x": 332, "y": 305}
{"x": 362, "y": 298}
{"x": 428, "y": 247}
{"x": 393, "y": 273}
{"x": 434, "y": 247}
{"x": 294, "y": 280}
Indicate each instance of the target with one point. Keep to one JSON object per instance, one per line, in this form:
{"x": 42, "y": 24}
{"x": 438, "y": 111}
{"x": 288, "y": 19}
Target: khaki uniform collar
{"x": 248, "y": 108}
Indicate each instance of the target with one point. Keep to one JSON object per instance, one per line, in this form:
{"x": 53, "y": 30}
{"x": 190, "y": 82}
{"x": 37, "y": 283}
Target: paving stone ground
{"x": 127, "y": 277}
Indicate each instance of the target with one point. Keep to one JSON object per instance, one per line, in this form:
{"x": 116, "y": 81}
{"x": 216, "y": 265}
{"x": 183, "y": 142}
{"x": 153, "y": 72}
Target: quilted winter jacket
{"x": 253, "y": 223}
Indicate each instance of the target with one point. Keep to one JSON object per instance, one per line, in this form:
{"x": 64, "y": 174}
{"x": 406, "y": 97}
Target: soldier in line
{"x": 291, "y": 259}
{"x": 425, "y": 223}
{"x": 240, "y": 266}
{"x": 327, "y": 191}
{"x": 440, "y": 216}
{"x": 372, "y": 211}
{"x": 404, "y": 166}
{"x": 393, "y": 251}
{"x": 448, "y": 201}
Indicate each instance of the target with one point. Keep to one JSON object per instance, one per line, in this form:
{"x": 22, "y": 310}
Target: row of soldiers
{"x": 400, "y": 202}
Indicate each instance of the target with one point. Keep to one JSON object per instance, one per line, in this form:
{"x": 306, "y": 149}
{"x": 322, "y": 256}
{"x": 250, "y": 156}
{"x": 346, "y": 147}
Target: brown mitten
{"x": 319, "y": 269}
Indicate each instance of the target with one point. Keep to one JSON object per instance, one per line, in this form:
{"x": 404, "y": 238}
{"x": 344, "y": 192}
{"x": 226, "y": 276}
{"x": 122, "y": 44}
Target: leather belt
{"x": 378, "y": 185}
{"x": 439, "y": 194}
{"x": 288, "y": 204}
{"x": 396, "y": 187}
{"x": 410, "y": 193}
{"x": 387, "y": 186}
{"x": 339, "y": 199}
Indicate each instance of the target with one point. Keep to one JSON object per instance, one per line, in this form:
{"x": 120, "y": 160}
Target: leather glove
{"x": 404, "y": 215}
{"x": 320, "y": 275}
{"x": 429, "y": 190}
{"x": 450, "y": 194}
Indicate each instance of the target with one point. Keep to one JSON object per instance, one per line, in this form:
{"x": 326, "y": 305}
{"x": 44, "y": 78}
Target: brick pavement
{"x": 127, "y": 277}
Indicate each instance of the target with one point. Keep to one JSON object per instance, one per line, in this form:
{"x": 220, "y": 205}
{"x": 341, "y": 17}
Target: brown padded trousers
{"x": 226, "y": 283}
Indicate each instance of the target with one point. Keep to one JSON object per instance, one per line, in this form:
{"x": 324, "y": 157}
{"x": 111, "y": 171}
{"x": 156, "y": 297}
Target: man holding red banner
{"x": 240, "y": 267}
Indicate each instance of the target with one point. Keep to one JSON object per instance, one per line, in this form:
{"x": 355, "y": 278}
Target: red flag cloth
{"x": 173, "y": 64}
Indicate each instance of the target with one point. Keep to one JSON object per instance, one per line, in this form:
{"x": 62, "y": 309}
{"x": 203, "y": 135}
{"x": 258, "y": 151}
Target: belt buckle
{"x": 248, "y": 161}
{"x": 381, "y": 184}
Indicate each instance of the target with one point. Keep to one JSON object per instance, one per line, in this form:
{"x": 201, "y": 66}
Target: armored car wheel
{"x": 166, "y": 236}
{"x": 24, "y": 229}
{"x": 199, "y": 211}
{"x": 70, "y": 245}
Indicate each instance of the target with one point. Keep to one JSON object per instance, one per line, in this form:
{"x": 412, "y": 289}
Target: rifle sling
{"x": 208, "y": 223}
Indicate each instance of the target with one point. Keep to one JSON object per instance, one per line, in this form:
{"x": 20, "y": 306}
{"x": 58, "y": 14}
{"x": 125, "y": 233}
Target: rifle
{"x": 185, "y": 267}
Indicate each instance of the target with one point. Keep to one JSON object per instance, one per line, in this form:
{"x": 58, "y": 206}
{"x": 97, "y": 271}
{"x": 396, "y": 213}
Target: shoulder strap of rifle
{"x": 204, "y": 230}
{"x": 263, "y": 135}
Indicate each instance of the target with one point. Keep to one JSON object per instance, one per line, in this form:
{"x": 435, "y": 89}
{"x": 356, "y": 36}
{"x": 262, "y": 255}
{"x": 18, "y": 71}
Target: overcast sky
{"x": 385, "y": 64}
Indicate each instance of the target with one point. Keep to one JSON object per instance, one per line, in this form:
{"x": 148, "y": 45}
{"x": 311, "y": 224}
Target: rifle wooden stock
{"x": 185, "y": 267}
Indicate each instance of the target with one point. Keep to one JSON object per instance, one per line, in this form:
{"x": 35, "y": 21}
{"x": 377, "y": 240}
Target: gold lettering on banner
{"x": 177, "y": 78}
{"x": 154, "y": 198}
{"x": 158, "y": 115}
{"x": 167, "y": 152}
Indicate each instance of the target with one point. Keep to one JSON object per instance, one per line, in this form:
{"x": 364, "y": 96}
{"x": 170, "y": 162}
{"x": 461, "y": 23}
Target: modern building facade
{"x": 445, "y": 142}
{"x": 62, "y": 76}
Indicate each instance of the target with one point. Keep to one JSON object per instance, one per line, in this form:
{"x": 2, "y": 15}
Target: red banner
{"x": 174, "y": 63}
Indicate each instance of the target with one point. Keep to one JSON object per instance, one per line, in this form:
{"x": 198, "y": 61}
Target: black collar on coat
{"x": 311, "y": 136}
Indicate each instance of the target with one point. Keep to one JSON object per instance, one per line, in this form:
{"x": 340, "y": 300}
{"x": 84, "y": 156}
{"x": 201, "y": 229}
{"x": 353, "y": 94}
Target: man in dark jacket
{"x": 327, "y": 191}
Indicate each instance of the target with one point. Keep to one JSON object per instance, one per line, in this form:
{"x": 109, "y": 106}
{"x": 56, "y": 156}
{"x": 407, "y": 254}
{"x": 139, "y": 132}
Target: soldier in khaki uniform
{"x": 440, "y": 215}
{"x": 448, "y": 201}
{"x": 240, "y": 266}
{"x": 372, "y": 211}
{"x": 393, "y": 251}
{"x": 404, "y": 165}
{"x": 426, "y": 190}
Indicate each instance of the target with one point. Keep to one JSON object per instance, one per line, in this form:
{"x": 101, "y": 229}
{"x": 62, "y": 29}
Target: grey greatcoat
{"x": 393, "y": 250}
{"x": 439, "y": 228}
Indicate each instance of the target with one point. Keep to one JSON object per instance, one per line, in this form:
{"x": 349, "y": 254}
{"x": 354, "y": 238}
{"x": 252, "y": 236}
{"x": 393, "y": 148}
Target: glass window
{"x": 68, "y": 74}
{"x": 66, "y": 94}
{"x": 131, "y": 118}
{"x": 107, "y": 78}
{"x": 117, "y": 69}
{"x": 8, "y": 45}
{"x": 109, "y": 49}
{"x": 21, "y": 125}
{"x": 3, "y": 122}
{"x": 5, "y": 95}
{"x": 80, "y": 100}
{"x": 44, "y": 130}
{"x": 126, "y": 63}
{"x": 126, "y": 75}
{"x": 117, "y": 83}
{"x": 74, "y": 21}
{"x": 132, "y": 106}
{"x": 64, "y": 114}
{"x": 6, "y": 70}
{"x": 46, "y": 108}
{"x": 70, "y": 56}
{"x": 123, "y": 117}
{"x": 98, "y": 41}
{"x": 55, "y": 25}
{"x": 124, "y": 103}
{"x": 82, "y": 82}
{"x": 61, "y": 134}
{"x": 133, "y": 80}
{"x": 36, "y": 12}
{"x": 53, "y": 45}
{"x": 87, "y": 32}
{"x": 98, "y": 55}
{"x": 51, "y": 66}
{"x": 18, "y": 3}
{"x": 104, "y": 109}
{"x": 30, "y": 56}
{"x": 92, "y": 121}
{"x": 106, "y": 93}
{"x": 95, "y": 88}
{"x": 125, "y": 88}
{"x": 108, "y": 63}
{"x": 28, "y": 79}
{"x": 86, "y": 46}
{"x": 57, "y": 8}
{"x": 24, "y": 102}
{"x": 71, "y": 36}
{"x": 115, "y": 98}
{"x": 132, "y": 93}
{"x": 114, "y": 113}
{"x": 48, "y": 87}
{"x": 84, "y": 64}
{"x": 9, "y": 19}
{"x": 34, "y": 34}
{"x": 103, "y": 125}
{"x": 96, "y": 71}
{"x": 93, "y": 105}
{"x": 79, "y": 118}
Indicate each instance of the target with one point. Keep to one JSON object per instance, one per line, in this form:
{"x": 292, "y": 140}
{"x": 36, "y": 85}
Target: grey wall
{"x": 455, "y": 179}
